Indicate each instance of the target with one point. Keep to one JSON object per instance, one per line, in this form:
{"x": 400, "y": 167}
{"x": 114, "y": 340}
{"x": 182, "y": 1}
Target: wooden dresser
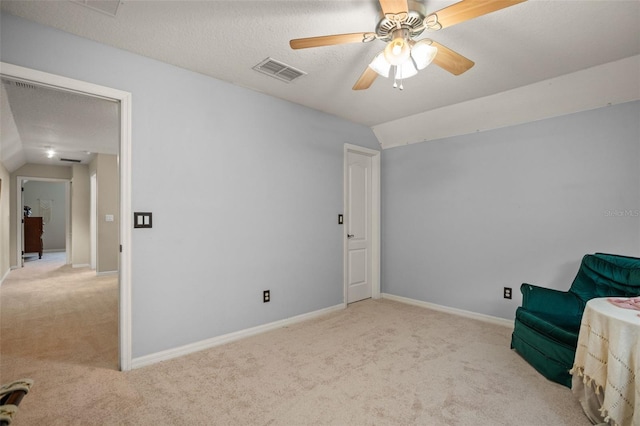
{"x": 33, "y": 235}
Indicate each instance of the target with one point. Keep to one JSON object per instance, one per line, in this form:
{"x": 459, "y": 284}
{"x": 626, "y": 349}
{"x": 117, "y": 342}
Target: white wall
{"x": 54, "y": 236}
{"x": 5, "y": 262}
{"x": 465, "y": 216}
{"x": 244, "y": 189}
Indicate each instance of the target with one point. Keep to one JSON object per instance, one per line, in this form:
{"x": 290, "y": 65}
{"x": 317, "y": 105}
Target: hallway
{"x": 52, "y": 312}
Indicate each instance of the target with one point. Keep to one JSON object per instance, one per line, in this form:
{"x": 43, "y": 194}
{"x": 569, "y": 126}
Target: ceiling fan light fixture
{"x": 398, "y": 49}
{"x": 381, "y": 65}
{"x": 399, "y": 26}
{"x": 422, "y": 53}
{"x": 405, "y": 70}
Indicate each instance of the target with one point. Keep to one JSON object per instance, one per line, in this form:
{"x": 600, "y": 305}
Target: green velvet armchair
{"x": 548, "y": 322}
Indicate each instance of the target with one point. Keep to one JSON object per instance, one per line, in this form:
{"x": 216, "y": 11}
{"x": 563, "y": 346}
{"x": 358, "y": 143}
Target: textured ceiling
{"x": 513, "y": 47}
{"x": 35, "y": 118}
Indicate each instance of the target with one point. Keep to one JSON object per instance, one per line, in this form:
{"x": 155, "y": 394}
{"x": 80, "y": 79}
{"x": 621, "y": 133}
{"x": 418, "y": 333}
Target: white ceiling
{"x": 37, "y": 118}
{"x": 514, "y": 47}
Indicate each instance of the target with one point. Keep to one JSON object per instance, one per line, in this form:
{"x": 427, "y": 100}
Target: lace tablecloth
{"x": 607, "y": 364}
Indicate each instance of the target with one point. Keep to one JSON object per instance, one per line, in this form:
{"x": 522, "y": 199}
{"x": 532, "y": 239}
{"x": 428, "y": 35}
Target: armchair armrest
{"x": 551, "y": 302}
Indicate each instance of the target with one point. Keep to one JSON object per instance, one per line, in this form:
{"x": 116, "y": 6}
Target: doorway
{"x": 362, "y": 223}
{"x": 49, "y": 199}
{"x": 124, "y": 170}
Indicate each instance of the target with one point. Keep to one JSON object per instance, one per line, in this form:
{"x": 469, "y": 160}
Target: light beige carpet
{"x": 376, "y": 363}
{"x": 51, "y": 311}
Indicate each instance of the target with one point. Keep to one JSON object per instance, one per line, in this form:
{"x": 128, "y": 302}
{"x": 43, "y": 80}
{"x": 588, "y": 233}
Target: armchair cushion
{"x": 558, "y": 307}
{"x": 561, "y": 333}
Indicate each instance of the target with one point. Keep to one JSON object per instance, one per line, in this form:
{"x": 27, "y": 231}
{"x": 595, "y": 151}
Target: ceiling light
{"x": 422, "y": 53}
{"x": 380, "y": 65}
{"x": 406, "y": 70}
{"x": 398, "y": 49}
{"x": 50, "y": 152}
{"x": 406, "y": 56}
{"x": 402, "y": 71}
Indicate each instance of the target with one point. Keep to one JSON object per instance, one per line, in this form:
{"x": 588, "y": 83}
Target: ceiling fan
{"x": 399, "y": 27}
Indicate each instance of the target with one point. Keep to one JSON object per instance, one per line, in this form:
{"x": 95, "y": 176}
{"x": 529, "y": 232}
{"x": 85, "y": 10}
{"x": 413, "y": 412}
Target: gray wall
{"x": 80, "y": 216}
{"x": 105, "y": 167}
{"x": 464, "y": 217}
{"x": 54, "y": 236}
{"x": 244, "y": 188}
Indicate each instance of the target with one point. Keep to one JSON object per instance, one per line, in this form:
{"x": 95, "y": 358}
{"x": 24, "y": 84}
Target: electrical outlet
{"x": 507, "y": 292}
{"x": 266, "y": 296}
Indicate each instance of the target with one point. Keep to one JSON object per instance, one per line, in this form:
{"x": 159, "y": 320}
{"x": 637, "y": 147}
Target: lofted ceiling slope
{"x": 36, "y": 119}
{"x": 516, "y": 51}
{"x": 513, "y": 47}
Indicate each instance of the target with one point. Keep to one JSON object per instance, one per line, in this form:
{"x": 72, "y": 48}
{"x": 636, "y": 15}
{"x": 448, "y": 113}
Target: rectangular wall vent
{"x": 71, "y": 160}
{"x": 279, "y": 70}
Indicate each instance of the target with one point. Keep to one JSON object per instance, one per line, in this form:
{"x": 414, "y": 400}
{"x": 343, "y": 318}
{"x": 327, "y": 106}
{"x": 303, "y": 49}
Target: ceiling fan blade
{"x": 394, "y": 6}
{"x": 451, "y": 61}
{"x": 330, "y": 40}
{"x": 469, "y": 9}
{"x": 366, "y": 79}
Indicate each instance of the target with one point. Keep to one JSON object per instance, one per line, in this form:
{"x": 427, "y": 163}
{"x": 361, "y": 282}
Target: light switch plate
{"x": 108, "y": 218}
{"x": 142, "y": 220}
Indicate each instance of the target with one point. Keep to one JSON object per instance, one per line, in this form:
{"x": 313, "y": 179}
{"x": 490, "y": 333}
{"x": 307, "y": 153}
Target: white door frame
{"x": 19, "y": 213}
{"x": 124, "y": 160}
{"x": 92, "y": 221}
{"x": 375, "y": 219}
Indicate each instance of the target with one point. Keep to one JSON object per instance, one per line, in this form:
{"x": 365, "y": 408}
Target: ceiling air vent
{"x": 109, "y": 7}
{"x": 278, "y": 70}
{"x": 71, "y": 160}
{"x": 18, "y": 83}
{"x": 25, "y": 85}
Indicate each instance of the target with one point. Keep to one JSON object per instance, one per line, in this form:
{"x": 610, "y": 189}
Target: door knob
{"x": 350, "y": 235}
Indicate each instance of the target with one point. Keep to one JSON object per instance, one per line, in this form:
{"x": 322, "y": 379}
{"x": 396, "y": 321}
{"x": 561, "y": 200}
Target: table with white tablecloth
{"x": 606, "y": 368}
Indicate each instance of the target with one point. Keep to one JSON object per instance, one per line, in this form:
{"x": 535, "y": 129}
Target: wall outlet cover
{"x": 507, "y": 292}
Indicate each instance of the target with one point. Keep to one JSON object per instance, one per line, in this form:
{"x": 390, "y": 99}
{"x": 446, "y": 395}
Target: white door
{"x": 359, "y": 253}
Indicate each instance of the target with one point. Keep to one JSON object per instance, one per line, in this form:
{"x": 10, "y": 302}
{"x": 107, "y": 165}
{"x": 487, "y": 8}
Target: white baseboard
{"x": 53, "y": 250}
{"x": 107, "y": 273}
{"x": 145, "y": 360}
{"x": 449, "y": 310}
{"x": 80, "y": 265}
